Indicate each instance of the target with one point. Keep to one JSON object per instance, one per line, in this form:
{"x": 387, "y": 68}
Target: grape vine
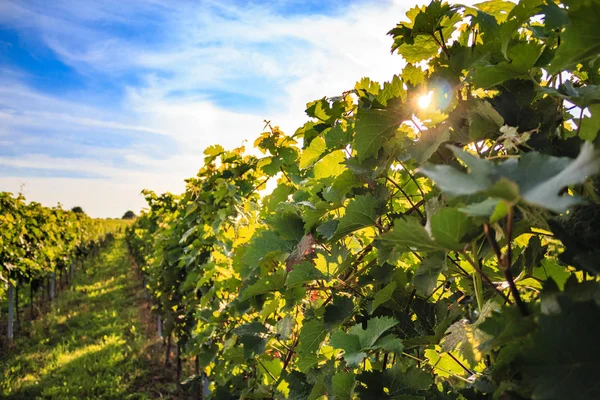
{"x": 39, "y": 244}
{"x": 408, "y": 250}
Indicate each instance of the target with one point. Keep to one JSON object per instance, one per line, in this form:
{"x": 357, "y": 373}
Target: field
{"x": 96, "y": 341}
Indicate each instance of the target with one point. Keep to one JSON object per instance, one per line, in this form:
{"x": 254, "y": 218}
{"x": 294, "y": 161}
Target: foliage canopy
{"x": 405, "y": 252}
{"x": 37, "y": 241}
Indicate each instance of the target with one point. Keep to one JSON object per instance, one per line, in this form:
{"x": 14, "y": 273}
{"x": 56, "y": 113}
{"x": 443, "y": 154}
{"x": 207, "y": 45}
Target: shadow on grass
{"x": 92, "y": 344}
{"x": 94, "y": 371}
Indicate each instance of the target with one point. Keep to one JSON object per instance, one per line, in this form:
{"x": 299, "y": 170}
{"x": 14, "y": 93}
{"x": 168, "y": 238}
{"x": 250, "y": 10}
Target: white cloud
{"x": 324, "y": 56}
{"x": 40, "y": 119}
{"x": 284, "y": 60}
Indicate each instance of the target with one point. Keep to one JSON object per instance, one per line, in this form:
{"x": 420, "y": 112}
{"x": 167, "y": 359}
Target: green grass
{"x": 93, "y": 343}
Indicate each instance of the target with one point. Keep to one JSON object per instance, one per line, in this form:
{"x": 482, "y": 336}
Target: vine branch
{"x": 505, "y": 261}
{"x": 485, "y": 277}
{"x": 393, "y": 182}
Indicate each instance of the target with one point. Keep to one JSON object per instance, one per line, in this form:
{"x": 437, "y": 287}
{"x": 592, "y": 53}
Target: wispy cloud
{"x": 165, "y": 80}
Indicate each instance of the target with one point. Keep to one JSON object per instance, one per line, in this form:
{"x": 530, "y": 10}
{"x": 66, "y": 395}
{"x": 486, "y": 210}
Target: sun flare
{"x": 424, "y": 101}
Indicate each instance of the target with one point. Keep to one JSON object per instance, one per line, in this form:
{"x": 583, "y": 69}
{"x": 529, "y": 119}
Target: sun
{"x": 424, "y": 101}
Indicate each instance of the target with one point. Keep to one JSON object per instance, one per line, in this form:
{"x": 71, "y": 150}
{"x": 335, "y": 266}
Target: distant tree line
{"x": 128, "y": 215}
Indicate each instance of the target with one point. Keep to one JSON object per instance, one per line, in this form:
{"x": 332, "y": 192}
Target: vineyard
{"x": 435, "y": 236}
{"x": 40, "y": 246}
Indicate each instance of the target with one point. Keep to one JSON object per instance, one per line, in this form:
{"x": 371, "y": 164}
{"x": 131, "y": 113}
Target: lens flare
{"x": 424, "y": 101}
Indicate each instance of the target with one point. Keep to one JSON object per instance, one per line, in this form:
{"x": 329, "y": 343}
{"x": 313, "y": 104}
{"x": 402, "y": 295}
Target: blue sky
{"x": 100, "y": 99}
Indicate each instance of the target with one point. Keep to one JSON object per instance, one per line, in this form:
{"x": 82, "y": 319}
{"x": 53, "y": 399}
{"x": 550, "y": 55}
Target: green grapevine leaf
{"x": 313, "y": 153}
{"x": 580, "y": 42}
{"x": 428, "y": 272}
{"x": 284, "y": 327}
{"x": 253, "y": 345}
{"x": 357, "y": 341}
{"x": 274, "y": 282}
{"x": 263, "y": 246}
{"x": 361, "y": 212}
{"x": 569, "y": 370}
{"x": 330, "y": 165}
{"x": 413, "y": 74}
{"x": 407, "y": 233}
{"x": 299, "y": 387}
{"x": 343, "y": 385}
{"x": 302, "y": 273}
{"x": 336, "y": 138}
{"x": 375, "y": 328}
{"x": 429, "y": 142}
{"x": 312, "y": 335}
{"x": 484, "y": 121}
{"x": 383, "y": 295}
{"x": 518, "y": 15}
{"x": 590, "y": 126}
{"x": 523, "y": 57}
{"x": 537, "y": 178}
{"x": 580, "y": 96}
{"x": 373, "y": 128}
{"x": 337, "y": 312}
{"x": 400, "y": 385}
{"x": 353, "y": 353}
{"x": 389, "y": 343}
{"x": 251, "y": 329}
{"x": 449, "y": 227}
{"x": 391, "y": 90}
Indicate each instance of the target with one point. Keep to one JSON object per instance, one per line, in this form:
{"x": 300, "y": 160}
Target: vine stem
{"x": 350, "y": 287}
{"x": 508, "y": 262}
{"x": 478, "y": 287}
{"x": 461, "y": 364}
{"x": 444, "y": 42}
{"x": 441, "y": 43}
{"x": 485, "y": 277}
{"x": 562, "y": 102}
{"x": 436, "y": 367}
{"x": 361, "y": 270}
{"x": 286, "y": 176}
{"x": 580, "y": 120}
{"x": 412, "y": 119}
{"x": 393, "y": 182}
{"x": 288, "y": 358}
{"x": 282, "y": 345}
{"x": 265, "y": 368}
{"x": 411, "y": 176}
{"x": 457, "y": 265}
{"x": 435, "y": 290}
{"x": 360, "y": 256}
{"x": 256, "y": 188}
{"x": 505, "y": 262}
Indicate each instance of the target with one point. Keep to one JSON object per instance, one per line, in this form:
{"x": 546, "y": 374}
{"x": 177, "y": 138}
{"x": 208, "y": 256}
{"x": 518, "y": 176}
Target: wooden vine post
{"x": 52, "y": 286}
{"x": 11, "y": 311}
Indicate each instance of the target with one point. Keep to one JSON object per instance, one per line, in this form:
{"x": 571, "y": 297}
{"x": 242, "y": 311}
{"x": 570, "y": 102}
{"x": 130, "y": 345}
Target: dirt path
{"x": 96, "y": 342}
